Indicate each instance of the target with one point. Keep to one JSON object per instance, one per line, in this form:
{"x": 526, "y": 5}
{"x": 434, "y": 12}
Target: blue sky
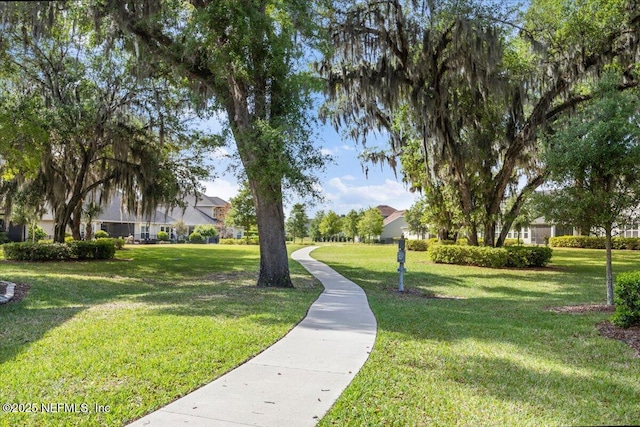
{"x": 344, "y": 184}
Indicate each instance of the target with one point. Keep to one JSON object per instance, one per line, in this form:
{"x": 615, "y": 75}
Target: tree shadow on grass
{"x": 213, "y": 287}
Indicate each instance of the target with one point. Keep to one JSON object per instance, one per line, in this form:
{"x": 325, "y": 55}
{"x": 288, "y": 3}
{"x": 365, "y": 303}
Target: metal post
{"x": 401, "y": 260}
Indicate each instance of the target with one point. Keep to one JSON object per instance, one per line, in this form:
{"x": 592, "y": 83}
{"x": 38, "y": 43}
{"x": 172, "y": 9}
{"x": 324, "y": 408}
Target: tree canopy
{"x": 465, "y": 88}
{"x": 242, "y": 58}
{"x": 77, "y": 126}
{"x": 594, "y": 165}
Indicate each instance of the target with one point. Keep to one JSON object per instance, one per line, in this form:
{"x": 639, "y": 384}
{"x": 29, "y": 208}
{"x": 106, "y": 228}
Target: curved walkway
{"x": 295, "y": 381}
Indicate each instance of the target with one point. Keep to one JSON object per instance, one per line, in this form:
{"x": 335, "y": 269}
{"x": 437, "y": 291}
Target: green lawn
{"x": 494, "y": 357}
{"x": 135, "y": 333}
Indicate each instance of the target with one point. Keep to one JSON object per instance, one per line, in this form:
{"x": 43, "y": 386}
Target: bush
{"x": 29, "y": 251}
{"x": 627, "y": 299}
{"x": 119, "y": 243}
{"x": 528, "y": 256}
{"x": 512, "y": 242}
{"x": 246, "y": 241}
{"x": 468, "y": 255}
{"x": 97, "y": 249}
{"x": 593, "y": 242}
{"x": 101, "y": 234}
{"x": 163, "y": 236}
{"x": 513, "y": 257}
{"x": 3, "y": 238}
{"x": 196, "y": 238}
{"x": 417, "y": 245}
{"x": 206, "y": 230}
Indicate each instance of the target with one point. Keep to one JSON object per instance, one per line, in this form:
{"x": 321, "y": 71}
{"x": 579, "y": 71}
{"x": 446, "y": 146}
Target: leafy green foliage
{"x": 512, "y": 257}
{"x": 96, "y": 249}
{"x": 627, "y": 299}
{"x": 371, "y": 224}
{"x": 206, "y": 230}
{"x": 77, "y": 249}
{"x": 246, "y": 241}
{"x": 163, "y": 236}
{"x": 196, "y": 238}
{"x": 350, "y": 224}
{"x": 593, "y": 242}
{"x": 297, "y": 222}
{"x": 94, "y": 126}
{"x": 243, "y": 209}
{"x": 101, "y": 234}
{"x": 417, "y": 245}
{"x": 330, "y": 225}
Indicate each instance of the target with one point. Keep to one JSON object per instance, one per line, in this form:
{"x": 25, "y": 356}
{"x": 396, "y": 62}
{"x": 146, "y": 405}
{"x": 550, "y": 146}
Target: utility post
{"x": 401, "y": 260}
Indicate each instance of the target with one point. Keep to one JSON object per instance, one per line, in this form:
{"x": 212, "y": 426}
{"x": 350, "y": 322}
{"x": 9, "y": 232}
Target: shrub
{"x": 3, "y": 238}
{"x": 119, "y": 243}
{"x": 468, "y": 255}
{"x": 593, "y": 242}
{"x": 627, "y": 299}
{"x": 228, "y": 241}
{"x": 417, "y": 245}
{"x": 29, "y": 251}
{"x": 196, "y": 238}
{"x": 516, "y": 256}
{"x": 101, "y": 234}
{"x": 163, "y": 236}
{"x": 528, "y": 256}
{"x": 206, "y": 230}
{"x": 103, "y": 248}
{"x": 512, "y": 242}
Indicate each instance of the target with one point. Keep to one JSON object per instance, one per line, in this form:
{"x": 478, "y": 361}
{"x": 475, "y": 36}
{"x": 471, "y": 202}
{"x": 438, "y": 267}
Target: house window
{"x": 144, "y": 231}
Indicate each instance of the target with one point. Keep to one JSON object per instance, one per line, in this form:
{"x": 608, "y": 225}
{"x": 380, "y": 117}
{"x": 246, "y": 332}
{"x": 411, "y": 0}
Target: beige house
{"x": 115, "y": 220}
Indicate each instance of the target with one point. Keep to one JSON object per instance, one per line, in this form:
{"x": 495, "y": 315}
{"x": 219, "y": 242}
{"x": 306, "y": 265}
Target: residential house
{"x": 118, "y": 222}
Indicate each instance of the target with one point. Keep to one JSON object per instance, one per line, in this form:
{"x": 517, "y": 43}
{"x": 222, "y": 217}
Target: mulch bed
{"x": 630, "y": 336}
{"x": 19, "y": 292}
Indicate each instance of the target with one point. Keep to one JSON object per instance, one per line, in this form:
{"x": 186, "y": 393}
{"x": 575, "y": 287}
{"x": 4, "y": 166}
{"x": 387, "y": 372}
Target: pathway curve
{"x": 295, "y": 381}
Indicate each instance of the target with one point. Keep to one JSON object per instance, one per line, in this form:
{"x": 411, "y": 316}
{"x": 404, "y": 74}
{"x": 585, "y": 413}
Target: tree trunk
{"x": 76, "y": 220}
{"x": 609, "y": 266}
{"x": 472, "y": 236}
{"x": 60, "y": 226}
{"x": 490, "y": 233}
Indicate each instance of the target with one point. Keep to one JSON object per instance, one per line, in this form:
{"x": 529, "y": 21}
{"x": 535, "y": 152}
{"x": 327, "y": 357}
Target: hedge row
{"x": 592, "y": 242}
{"x": 245, "y": 241}
{"x": 423, "y": 245}
{"x": 80, "y": 250}
{"x": 627, "y": 299}
{"x": 513, "y": 257}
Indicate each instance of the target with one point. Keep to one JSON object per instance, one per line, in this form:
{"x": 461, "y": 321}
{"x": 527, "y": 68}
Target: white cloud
{"x": 220, "y": 153}
{"x": 342, "y": 195}
{"x": 348, "y": 147}
{"x": 348, "y": 178}
{"x": 326, "y": 152}
{"x": 222, "y": 188}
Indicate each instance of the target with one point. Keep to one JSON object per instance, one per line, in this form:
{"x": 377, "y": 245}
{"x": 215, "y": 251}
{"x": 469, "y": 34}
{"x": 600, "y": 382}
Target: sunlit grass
{"x": 495, "y": 355}
{"x": 135, "y": 333}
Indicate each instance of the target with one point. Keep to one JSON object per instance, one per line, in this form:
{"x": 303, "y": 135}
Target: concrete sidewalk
{"x": 295, "y": 381}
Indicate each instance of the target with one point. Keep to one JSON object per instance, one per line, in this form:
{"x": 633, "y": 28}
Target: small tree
{"x": 415, "y": 218}
{"x": 243, "y": 210}
{"x": 297, "y": 222}
{"x": 330, "y": 225}
{"x": 350, "y": 224}
{"x": 371, "y": 223}
{"x": 594, "y": 161}
{"x": 206, "y": 230}
{"x": 314, "y": 228}
{"x": 182, "y": 229}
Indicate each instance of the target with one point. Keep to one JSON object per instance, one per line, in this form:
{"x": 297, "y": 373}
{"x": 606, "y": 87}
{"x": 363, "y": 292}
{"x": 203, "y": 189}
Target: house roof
{"x": 393, "y": 217}
{"x": 385, "y": 210}
{"x": 197, "y": 212}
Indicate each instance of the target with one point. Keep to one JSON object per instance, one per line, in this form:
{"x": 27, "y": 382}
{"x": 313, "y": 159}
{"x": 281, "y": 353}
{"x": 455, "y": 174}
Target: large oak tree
{"x": 476, "y": 84}
{"x": 243, "y": 57}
